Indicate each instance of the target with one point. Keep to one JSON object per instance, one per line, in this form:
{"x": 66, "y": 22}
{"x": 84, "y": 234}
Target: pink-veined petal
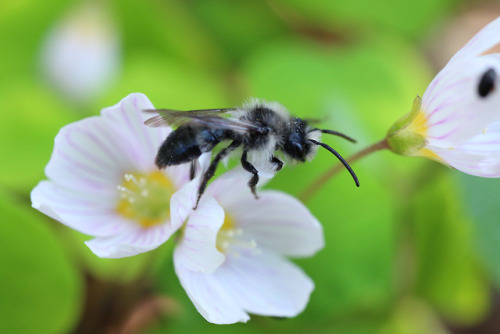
{"x": 265, "y": 284}
{"x": 478, "y": 156}
{"x": 453, "y": 107}
{"x": 128, "y": 114}
{"x": 487, "y": 142}
{"x": 182, "y": 203}
{"x": 278, "y": 222}
{"x": 133, "y": 241}
{"x": 210, "y": 297}
{"x": 484, "y": 40}
{"x": 97, "y": 151}
{"x": 197, "y": 250}
{"x": 204, "y": 161}
{"x": 466, "y": 162}
{"x": 232, "y": 186}
{"x": 275, "y": 221}
{"x": 93, "y": 215}
{"x": 89, "y": 155}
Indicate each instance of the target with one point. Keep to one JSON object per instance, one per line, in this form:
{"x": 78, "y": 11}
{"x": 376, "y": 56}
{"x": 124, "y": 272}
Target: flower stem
{"x": 320, "y": 181}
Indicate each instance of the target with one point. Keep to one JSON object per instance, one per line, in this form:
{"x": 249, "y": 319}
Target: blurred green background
{"x": 416, "y": 249}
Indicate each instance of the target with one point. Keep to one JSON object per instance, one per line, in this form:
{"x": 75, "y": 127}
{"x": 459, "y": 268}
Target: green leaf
{"x": 167, "y": 27}
{"x": 30, "y": 120}
{"x": 448, "y": 274}
{"x": 23, "y": 25}
{"x": 413, "y": 316}
{"x": 353, "y": 273}
{"x": 40, "y": 290}
{"x": 239, "y": 26}
{"x": 409, "y": 17}
{"x": 481, "y": 202}
{"x": 123, "y": 270}
{"x": 168, "y": 84}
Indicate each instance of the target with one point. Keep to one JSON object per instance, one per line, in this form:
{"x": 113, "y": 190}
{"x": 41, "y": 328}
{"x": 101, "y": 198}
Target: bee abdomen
{"x": 186, "y": 144}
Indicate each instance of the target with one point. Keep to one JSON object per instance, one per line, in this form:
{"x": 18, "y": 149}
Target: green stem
{"x": 323, "y": 179}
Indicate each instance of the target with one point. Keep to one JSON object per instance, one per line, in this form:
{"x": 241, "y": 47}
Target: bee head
{"x": 301, "y": 143}
{"x": 297, "y": 144}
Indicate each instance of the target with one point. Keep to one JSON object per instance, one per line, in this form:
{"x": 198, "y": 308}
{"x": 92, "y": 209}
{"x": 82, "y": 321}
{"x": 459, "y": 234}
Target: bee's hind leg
{"x": 213, "y": 166}
{"x": 250, "y": 168}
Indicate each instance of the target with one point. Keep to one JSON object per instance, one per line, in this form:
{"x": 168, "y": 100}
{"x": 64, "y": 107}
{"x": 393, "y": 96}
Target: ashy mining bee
{"x": 260, "y": 128}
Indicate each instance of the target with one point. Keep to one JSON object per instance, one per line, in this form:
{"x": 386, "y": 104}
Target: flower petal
{"x": 478, "y": 156}
{"x": 210, "y": 297}
{"x": 87, "y": 156}
{"x": 275, "y": 221}
{"x": 129, "y": 115}
{"x": 232, "y": 186}
{"x": 89, "y": 214}
{"x": 94, "y": 153}
{"x": 487, "y": 142}
{"x": 133, "y": 241}
{"x": 453, "y": 107}
{"x": 279, "y": 222}
{"x": 197, "y": 250}
{"x": 484, "y": 40}
{"x": 182, "y": 203}
{"x": 81, "y": 54}
{"x": 265, "y": 284}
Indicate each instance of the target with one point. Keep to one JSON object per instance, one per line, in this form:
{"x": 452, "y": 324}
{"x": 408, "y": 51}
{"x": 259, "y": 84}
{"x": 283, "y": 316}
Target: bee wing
{"x": 204, "y": 117}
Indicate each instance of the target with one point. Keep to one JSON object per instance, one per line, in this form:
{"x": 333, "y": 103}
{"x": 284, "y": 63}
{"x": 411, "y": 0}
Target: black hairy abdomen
{"x": 186, "y": 144}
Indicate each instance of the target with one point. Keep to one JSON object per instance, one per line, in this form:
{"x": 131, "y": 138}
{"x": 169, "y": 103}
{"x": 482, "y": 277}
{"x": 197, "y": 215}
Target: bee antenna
{"x": 337, "y": 154}
{"x": 335, "y": 133}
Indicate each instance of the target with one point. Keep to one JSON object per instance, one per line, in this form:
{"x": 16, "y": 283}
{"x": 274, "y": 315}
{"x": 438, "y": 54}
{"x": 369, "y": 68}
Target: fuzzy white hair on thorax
{"x": 263, "y": 155}
{"x": 254, "y": 102}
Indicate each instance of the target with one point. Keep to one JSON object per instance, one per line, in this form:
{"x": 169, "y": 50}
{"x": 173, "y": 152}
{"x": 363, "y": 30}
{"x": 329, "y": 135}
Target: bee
{"x": 260, "y": 128}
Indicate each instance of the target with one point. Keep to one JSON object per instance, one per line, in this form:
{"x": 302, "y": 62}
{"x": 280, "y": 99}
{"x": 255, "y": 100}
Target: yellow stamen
{"x": 145, "y": 198}
{"x": 231, "y": 235}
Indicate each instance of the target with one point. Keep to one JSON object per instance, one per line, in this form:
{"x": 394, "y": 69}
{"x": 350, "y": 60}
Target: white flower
{"x": 103, "y": 182}
{"x": 456, "y": 122}
{"x": 231, "y": 259}
{"x": 81, "y": 53}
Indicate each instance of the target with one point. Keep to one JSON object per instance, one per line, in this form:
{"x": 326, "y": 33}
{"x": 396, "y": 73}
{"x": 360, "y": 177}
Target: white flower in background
{"x": 103, "y": 182}
{"x": 231, "y": 259}
{"x": 81, "y": 54}
{"x": 457, "y": 121}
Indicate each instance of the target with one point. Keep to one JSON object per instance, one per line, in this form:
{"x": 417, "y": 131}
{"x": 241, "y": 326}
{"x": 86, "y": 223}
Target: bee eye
{"x": 298, "y": 148}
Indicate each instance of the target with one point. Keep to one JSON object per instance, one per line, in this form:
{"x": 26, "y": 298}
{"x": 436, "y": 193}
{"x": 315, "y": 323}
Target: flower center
{"x": 145, "y": 198}
{"x": 231, "y": 239}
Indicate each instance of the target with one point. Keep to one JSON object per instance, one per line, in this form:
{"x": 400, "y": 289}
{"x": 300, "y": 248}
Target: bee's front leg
{"x": 277, "y": 162}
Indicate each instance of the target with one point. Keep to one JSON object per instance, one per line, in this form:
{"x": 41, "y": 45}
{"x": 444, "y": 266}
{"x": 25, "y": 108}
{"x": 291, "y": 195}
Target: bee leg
{"x": 250, "y": 168}
{"x": 213, "y": 166}
{"x": 192, "y": 171}
{"x": 277, "y": 162}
